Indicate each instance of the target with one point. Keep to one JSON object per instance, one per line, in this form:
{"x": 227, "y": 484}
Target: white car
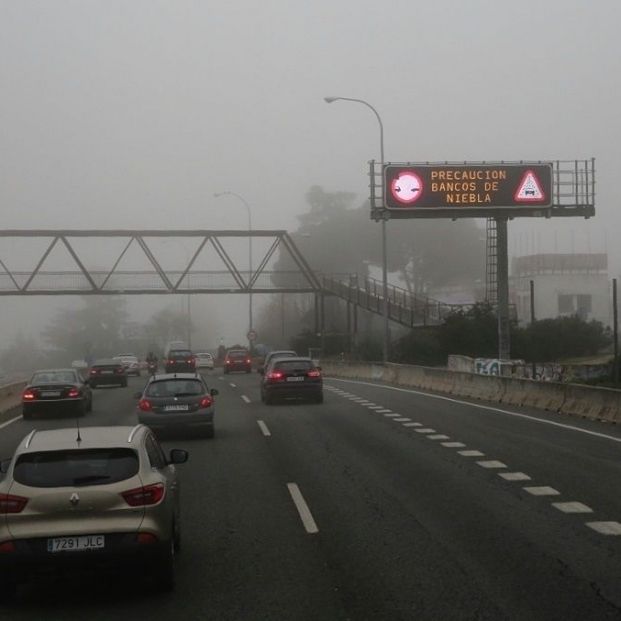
{"x": 204, "y": 360}
{"x": 130, "y": 363}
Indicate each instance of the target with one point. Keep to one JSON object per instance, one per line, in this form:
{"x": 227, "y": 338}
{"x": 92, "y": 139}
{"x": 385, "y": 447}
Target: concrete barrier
{"x": 575, "y": 399}
{"x": 11, "y": 396}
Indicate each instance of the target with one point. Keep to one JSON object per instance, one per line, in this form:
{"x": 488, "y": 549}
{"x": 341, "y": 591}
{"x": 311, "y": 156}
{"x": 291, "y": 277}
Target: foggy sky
{"x": 131, "y": 114}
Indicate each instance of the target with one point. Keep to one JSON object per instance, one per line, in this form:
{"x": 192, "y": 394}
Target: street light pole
{"x": 247, "y": 206}
{"x": 386, "y": 337}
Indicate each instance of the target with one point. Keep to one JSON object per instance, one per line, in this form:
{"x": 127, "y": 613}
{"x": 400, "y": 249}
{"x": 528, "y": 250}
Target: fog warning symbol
{"x": 406, "y": 187}
{"x": 529, "y": 190}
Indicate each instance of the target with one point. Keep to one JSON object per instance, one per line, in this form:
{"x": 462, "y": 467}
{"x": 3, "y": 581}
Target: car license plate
{"x": 295, "y": 379}
{"x": 50, "y": 393}
{"x": 76, "y": 544}
{"x": 176, "y": 408}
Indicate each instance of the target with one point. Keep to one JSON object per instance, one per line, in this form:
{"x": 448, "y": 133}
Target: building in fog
{"x": 564, "y": 284}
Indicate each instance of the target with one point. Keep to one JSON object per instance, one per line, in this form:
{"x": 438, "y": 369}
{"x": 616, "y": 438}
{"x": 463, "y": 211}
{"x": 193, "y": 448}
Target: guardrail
{"x": 573, "y": 399}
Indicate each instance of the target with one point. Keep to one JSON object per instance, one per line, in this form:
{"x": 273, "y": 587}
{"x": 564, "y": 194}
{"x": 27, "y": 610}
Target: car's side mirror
{"x": 214, "y": 391}
{"x": 178, "y": 456}
{"x": 4, "y": 465}
{"x": 137, "y": 395}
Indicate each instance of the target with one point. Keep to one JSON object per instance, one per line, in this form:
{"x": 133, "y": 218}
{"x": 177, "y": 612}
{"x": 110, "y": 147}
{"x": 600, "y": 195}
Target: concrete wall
{"x": 573, "y": 399}
{"x": 11, "y": 396}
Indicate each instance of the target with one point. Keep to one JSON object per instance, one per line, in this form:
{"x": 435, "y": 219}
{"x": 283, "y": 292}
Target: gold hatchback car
{"x": 94, "y": 496}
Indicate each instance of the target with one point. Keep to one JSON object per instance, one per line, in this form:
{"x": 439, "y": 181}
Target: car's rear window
{"x": 237, "y": 354}
{"x": 180, "y": 354}
{"x": 293, "y": 365}
{"x": 76, "y": 467}
{"x": 54, "y": 377}
{"x": 175, "y": 388}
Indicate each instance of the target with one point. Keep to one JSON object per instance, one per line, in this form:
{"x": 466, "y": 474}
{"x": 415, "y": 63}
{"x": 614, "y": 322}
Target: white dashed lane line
{"x": 383, "y": 411}
{"x": 402, "y": 420}
{"x": 572, "y": 507}
{"x": 471, "y": 453}
{"x": 391, "y": 415}
{"x": 221, "y": 378}
{"x": 300, "y": 504}
{"x": 453, "y": 444}
{"x": 425, "y": 430}
{"x": 514, "y": 476}
{"x": 437, "y": 436}
{"x": 605, "y": 528}
{"x": 233, "y": 385}
{"x": 245, "y": 398}
{"x": 492, "y": 464}
{"x": 264, "y": 430}
{"x": 542, "y": 491}
{"x": 409, "y": 424}
{"x": 375, "y": 407}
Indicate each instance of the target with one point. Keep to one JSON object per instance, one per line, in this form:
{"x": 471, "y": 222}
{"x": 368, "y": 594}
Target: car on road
{"x": 180, "y": 361}
{"x": 204, "y": 360}
{"x": 90, "y": 497}
{"x": 56, "y": 391}
{"x": 173, "y": 402}
{"x": 292, "y": 378}
{"x": 277, "y": 353}
{"x": 107, "y": 372}
{"x": 237, "y": 360}
{"x": 130, "y": 362}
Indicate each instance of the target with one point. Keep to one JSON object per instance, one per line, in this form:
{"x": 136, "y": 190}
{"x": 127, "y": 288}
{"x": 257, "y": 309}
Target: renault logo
{"x": 74, "y": 499}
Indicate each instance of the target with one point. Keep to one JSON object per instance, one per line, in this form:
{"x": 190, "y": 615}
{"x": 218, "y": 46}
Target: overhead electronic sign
{"x": 416, "y": 187}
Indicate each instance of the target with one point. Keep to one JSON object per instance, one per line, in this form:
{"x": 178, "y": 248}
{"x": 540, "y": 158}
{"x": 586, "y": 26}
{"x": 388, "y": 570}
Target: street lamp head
{"x": 331, "y": 99}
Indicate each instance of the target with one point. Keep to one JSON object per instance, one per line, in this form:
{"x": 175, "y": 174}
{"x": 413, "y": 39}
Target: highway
{"x": 381, "y": 503}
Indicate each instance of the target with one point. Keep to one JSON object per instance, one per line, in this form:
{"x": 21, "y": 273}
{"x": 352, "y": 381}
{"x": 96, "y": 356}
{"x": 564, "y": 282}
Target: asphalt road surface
{"x": 378, "y": 504}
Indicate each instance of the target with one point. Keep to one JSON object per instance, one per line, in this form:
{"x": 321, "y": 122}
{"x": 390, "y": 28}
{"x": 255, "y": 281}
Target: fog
{"x": 132, "y": 114}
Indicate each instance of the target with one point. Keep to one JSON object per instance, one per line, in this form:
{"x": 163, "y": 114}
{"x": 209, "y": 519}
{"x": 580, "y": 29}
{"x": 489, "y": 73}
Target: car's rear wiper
{"x": 186, "y": 394}
{"x": 91, "y": 478}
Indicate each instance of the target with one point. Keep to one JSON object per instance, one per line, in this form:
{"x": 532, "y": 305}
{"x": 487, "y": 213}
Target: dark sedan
{"x": 292, "y": 378}
{"x": 180, "y": 361}
{"x": 178, "y": 402}
{"x": 57, "y": 391}
{"x": 107, "y": 372}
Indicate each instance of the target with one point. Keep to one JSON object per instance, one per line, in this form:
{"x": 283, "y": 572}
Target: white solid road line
{"x": 9, "y": 422}
{"x": 605, "y": 528}
{"x": 572, "y": 507}
{"x": 233, "y": 385}
{"x": 542, "y": 491}
{"x": 264, "y": 429}
{"x": 490, "y": 408}
{"x": 245, "y": 398}
{"x": 300, "y": 504}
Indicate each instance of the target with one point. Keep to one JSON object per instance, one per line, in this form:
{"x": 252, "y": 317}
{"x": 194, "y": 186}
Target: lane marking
{"x": 514, "y": 476}
{"x": 410, "y": 424}
{"x": 391, "y": 414}
{"x": 233, "y": 385}
{"x": 487, "y": 407}
{"x": 453, "y": 444}
{"x": 9, "y": 422}
{"x": 438, "y": 436}
{"x": 221, "y": 378}
{"x": 365, "y": 402}
{"x": 375, "y": 407}
{"x": 402, "y": 419}
{"x": 300, "y": 504}
{"x": 471, "y": 453}
{"x": 425, "y": 430}
{"x": 383, "y": 411}
{"x": 491, "y": 464}
{"x": 264, "y": 430}
{"x": 572, "y": 507}
{"x": 605, "y": 528}
{"x": 245, "y": 398}
{"x": 542, "y": 491}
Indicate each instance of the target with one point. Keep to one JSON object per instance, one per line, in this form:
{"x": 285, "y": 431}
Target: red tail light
{"x": 73, "y": 393}
{"x": 227, "y": 361}
{"x": 314, "y": 373}
{"x": 206, "y": 402}
{"x": 120, "y": 370}
{"x": 28, "y": 395}
{"x": 275, "y": 375}
{"x": 171, "y": 362}
{"x": 12, "y": 504}
{"x": 147, "y": 495}
{"x": 248, "y": 361}
{"x": 7, "y": 546}
{"x": 146, "y": 538}
{"x": 94, "y": 371}
{"x": 144, "y": 405}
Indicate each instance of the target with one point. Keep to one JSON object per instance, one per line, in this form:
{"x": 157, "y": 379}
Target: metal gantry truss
{"x": 228, "y": 278}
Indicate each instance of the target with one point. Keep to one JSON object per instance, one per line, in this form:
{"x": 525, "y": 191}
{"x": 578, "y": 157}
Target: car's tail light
{"x": 94, "y": 371}
{"x": 7, "y": 546}
{"x": 145, "y": 405}
{"x": 146, "y": 495}
{"x": 314, "y": 373}
{"x": 206, "y": 402}
{"x": 146, "y": 538}
{"x": 120, "y": 370}
{"x": 227, "y": 361}
{"x": 171, "y": 362}
{"x": 275, "y": 375}
{"x": 12, "y": 504}
{"x": 73, "y": 393}
{"x": 248, "y": 361}
{"x": 28, "y": 395}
